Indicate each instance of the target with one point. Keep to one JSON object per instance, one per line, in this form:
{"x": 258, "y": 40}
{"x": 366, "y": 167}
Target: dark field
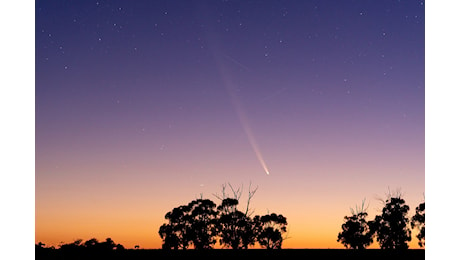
{"x": 323, "y": 254}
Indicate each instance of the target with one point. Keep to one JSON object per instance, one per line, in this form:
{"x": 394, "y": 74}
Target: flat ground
{"x": 322, "y": 254}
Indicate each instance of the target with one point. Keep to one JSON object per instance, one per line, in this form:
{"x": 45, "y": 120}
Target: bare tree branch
{"x": 237, "y": 193}
{"x": 224, "y": 195}
{"x": 250, "y": 195}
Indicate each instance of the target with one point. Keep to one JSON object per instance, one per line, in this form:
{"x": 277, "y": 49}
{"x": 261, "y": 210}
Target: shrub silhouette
{"x": 418, "y": 221}
{"x": 41, "y": 249}
{"x": 91, "y": 246}
{"x": 40, "y": 245}
{"x": 108, "y": 245}
{"x": 391, "y": 227}
{"x": 72, "y": 247}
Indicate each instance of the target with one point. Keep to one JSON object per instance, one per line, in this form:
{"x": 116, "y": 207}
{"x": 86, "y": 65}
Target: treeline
{"x": 92, "y": 245}
{"x": 202, "y": 223}
{"x": 90, "y": 249}
{"x": 391, "y": 228}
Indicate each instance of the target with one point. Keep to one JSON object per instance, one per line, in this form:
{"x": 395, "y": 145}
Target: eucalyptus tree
{"x": 203, "y": 223}
{"x": 391, "y": 227}
{"x": 418, "y": 221}
{"x": 270, "y": 229}
{"x": 356, "y": 233}
{"x": 176, "y": 234}
{"x": 236, "y": 229}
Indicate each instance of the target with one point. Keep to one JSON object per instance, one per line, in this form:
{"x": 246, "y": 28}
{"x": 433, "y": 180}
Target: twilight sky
{"x": 141, "y": 106}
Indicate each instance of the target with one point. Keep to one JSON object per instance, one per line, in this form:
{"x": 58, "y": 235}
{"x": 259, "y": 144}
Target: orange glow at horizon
{"x": 131, "y": 212}
{"x": 148, "y": 238}
{"x": 133, "y": 221}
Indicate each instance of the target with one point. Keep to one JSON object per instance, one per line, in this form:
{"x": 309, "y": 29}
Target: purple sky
{"x": 137, "y": 99}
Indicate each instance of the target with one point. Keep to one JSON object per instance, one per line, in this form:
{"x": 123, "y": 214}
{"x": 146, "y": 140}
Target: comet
{"x": 225, "y": 74}
{"x": 244, "y": 121}
{"x": 251, "y": 138}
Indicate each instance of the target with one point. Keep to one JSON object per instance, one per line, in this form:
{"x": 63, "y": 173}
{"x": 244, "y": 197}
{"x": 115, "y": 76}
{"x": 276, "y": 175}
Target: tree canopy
{"x": 271, "y": 228}
{"x": 391, "y": 227}
{"x": 201, "y": 224}
{"x": 356, "y": 233}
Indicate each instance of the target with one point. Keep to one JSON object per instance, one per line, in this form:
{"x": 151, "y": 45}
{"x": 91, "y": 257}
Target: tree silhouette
{"x": 356, "y": 233}
{"x": 203, "y": 223}
{"x": 176, "y": 234}
{"x": 249, "y": 237}
{"x": 391, "y": 227}
{"x": 120, "y": 247}
{"x": 418, "y": 220}
{"x": 270, "y": 230}
{"x": 171, "y": 238}
{"x": 193, "y": 223}
{"x": 237, "y": 195}
{"x": 235, "y": 227}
